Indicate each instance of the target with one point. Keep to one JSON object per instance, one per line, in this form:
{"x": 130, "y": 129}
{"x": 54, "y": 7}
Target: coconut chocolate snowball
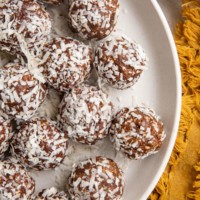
{"x": 15, "y": 182}
{"x": 137, "y": 132}
{"x": 119, "y": 61}
{"x": 20, "y": 92}
{"x": 23, "y": 23}
{"x": 67, "y": 62}
{"x": 6, "y": 134}
{"x": 39, "y": 144}
{"x": 51, "y": 194}
{"x": 86, "y": 113}
{"x": 55, "y": 2}
{"x": 96, "y": 179}
{"x": 93, "y": 19}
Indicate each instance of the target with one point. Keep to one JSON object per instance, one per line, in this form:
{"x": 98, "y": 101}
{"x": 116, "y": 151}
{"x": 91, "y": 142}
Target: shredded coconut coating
{"x": 119, "y": 61}
{"x": 98, "y": 179}
{"x": 85, "y": 113}
{"x": 67, "y": 63}
{"x": 39, "y": 144}
{"x": 6, "y": 134}
{"x": 52, "y": 194}
{"x": 93, "y": 19}
{"x": 4, "y": 115}
{"x": 23, "y": 21}
{"x": 15, "y": 182}
{"x": 20, "y": 93}
{"x": 137, "y": 132}
{"x": 55, "y": 2}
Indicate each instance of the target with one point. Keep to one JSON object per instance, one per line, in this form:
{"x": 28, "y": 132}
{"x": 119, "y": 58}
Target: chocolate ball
{"x": 93, "y": 19}
{"x": 97, "y": 178}
{"x": 119, "y": 61}
{"x": 39, "y": 144}
{"x": 67, "y": 63}
{"x": 86, "y": 113}
{"x": 15, "y": 182}
{"x": 24, "y": 25}
{"x": 6, "y": 134}
{"x": 51, "y": 194}
{"x": 20, "y": 92}
{"x": 137, "y": 132}
{"x": 55, "y": 2}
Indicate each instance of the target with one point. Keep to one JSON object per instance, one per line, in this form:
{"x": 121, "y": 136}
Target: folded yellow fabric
{"x": 181, "y": 179}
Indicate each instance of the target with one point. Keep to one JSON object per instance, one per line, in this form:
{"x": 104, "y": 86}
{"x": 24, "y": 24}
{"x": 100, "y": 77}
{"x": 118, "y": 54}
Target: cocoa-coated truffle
{"x": 15, "y": 182}
{"x": 52, "y": 194}
{"x": 55, "y": 2}
{"x": 119, "y": 61}
{"x": 39, "y": 144}
{"x": 20, "y": 92}
{"x": 6, "y": 134}
{"x": 93, "y": 19}
{"x": 137, "y": 132}
{"x": 23, "y": 23}
{"x": 67, "y": 63}
{"x": 86, "y": 113}
{"x": 96, "y": 179}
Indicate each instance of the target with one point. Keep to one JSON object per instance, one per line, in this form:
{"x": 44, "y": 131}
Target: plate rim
{"x": 178, "y": 99}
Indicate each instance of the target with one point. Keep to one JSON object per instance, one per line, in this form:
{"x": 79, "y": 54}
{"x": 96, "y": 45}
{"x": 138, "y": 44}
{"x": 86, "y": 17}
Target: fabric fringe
{"x": 161, "y": 190}
{"x": 187, "y": 39}
{"x": 195, "y": 194}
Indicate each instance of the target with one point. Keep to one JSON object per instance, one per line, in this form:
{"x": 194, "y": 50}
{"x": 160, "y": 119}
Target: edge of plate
{"x": 178, "y": 99}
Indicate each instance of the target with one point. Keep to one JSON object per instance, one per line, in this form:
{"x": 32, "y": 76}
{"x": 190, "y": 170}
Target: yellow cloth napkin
{"x": 181, "y": 179}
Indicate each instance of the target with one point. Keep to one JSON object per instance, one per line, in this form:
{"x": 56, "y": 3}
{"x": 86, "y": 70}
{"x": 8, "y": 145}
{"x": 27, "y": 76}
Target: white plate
{"x": 159, "y": 87}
